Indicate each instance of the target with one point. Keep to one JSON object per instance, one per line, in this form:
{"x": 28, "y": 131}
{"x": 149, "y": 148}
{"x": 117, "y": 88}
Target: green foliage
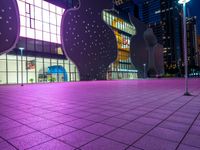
{"x": 51, "y": 79}
{"x": 31, "y": 80}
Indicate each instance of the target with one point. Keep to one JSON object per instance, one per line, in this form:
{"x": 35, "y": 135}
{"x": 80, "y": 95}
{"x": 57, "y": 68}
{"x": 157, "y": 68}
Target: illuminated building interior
{"x": 43, "y": 60}
{"x": 122, "y": 67}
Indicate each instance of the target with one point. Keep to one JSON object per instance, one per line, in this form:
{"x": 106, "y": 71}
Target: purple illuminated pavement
{"x": 104, "y": 115}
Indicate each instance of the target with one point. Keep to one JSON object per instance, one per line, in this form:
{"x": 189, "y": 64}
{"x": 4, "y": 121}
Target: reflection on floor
{"x": 105, "y": 115}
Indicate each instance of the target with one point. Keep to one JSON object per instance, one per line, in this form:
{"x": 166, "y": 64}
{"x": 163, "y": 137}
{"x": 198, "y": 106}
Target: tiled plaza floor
{"x": 104, "y": 115}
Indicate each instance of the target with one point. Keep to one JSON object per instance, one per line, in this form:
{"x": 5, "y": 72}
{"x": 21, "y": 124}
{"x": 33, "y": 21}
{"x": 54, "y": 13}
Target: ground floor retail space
{"x": 14, "y": 69}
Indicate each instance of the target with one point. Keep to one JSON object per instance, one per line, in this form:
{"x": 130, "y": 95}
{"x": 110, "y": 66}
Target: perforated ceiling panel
{"x": 9, "y": 25}
{"x": 87, "y": 40}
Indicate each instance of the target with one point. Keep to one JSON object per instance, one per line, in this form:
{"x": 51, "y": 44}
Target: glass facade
{"x": 122, "y": 68}
{"x": 40, "y": 20}
{"x": 43, "y": 60}
{"x": 118, "y": 23}
{"x": 35, "y": 70}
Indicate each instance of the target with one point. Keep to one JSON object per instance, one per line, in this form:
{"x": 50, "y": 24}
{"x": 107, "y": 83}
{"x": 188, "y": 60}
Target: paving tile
{"x": 104, "y": 144}
{"x": 116, "y": 122}
{"x": 195, "y": 130}
{"x": 153, "y": 143}
{"x": 80, "y": 114}
{"x": 187, "y": 147}
{"x": 22, "y": 115}
{"x": 156, "y": 115}
{"x": 97, "y": 118}
{"x": 149, "y": 121}
{"x": 6, "y": 146}
{"x": 79, "y": 123}
{"x": 133, "y": 148}
{"x": 29, "y": 140}
{"x": 69, "y": 111}
{"x": 44, "y": 124}
{"x": 94, "y": 110}
{"x": 127, "y": 116}
{"x": 51, "y": 115}
{"x": 4, "y": 120}
{"x": 52, "y": 145}
{"x": 1, "y": 140}
{"x": 78, "y": 138}
{"x": 124, "y": 136}
{"x": 58, "y": 130}
{"x": 15, "y": 132}
{"x": 31, "y": 120}
{"x": 9, "y": 125}
{"x": 109, "y": 113}
{"x": 167, "y": 134}
{"x": 197, "y": 123}
{"x": 162, "y": 111}
{"x": 37, "y": 111}
{"x": 183, "y": 120}
{"x": 138, "y": 127}
{"x": 63, "y": 118}
{"x": 183, "y": 114}
{"x": 175, "y": 126}
{"x": 112, "y": 104}
{"x": 99, "y": 129}
{"x": 192, "y": 140}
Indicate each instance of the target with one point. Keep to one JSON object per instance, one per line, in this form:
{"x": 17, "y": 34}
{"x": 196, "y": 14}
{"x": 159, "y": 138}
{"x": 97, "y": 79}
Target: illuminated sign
{"x": 40, "y": 20}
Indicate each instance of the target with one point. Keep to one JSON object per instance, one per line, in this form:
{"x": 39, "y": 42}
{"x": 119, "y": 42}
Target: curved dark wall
{"x": 87, "y": 40}
{"x": 151, "y": 42}
{"x": 139, "y": 53}
{"x": 145, "y": 50}
{"x": 9, "y": 25}
{"x": 159, "y": 57}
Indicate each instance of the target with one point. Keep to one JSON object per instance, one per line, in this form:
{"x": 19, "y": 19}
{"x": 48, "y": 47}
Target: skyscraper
{"x": 192, "y": 45}
{"x": 165, "y": 19}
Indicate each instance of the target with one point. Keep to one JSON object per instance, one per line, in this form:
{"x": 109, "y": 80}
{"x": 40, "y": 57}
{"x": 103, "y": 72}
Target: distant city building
{"x": 192, "y": 45}
{"x": 198, "y": 52}
{"x": 165, "y": 19}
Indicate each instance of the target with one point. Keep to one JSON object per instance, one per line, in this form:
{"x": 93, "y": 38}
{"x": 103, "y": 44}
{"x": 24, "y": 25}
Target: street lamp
{"x": 183, "y": 2}
{"x": 21, "y": 50}
{"x": 144, "y": 70}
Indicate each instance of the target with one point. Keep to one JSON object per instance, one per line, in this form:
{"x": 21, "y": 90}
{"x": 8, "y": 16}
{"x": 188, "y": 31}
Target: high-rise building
{"x": 198, "y": 50}
{"x": 165, "y": 19}
{"x": 192, "y": 46}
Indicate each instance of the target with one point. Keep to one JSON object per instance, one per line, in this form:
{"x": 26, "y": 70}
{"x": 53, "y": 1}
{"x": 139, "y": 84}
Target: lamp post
{"x": 183, "y": 2}
{"x": 21, "y": 51}
{"x": 144, "y": 70}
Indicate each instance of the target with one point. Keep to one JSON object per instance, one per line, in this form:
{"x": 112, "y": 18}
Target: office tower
{"x": 165, "y": 19}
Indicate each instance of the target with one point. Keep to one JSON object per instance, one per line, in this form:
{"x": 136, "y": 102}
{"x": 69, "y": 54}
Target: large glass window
{"x": 42, "y": 59}
{"x": 40, "y": 20}
{"x": 36, "y": 70}
{"x": 118, "y": 23}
